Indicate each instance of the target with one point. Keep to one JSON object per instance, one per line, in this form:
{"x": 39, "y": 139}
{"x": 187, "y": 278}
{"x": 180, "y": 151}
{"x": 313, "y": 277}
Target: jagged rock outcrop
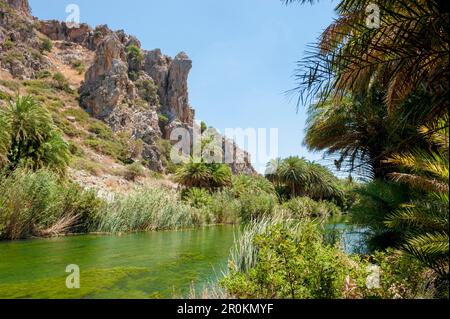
{"x": 147, "y": 98}
{"x": 108, "y": 94}
{"x": 171, "y": 75}
{"x": 107, "y": 84}
{"x": 20, "y": 48}
{"x": 20, "y": 5}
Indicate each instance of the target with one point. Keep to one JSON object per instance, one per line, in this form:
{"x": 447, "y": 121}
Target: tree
{"x": 200, "y": 174}
{"x": 424, "y": 221}
{"x": 33, "y": 139}
{"x": 406, "y": 53}
{"x": 303, "y": 178}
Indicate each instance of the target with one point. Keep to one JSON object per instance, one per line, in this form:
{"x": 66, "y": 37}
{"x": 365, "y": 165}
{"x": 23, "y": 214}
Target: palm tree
{"x": 5, "y": 139}
{"x": 406, "y": 53}
{"x": 359, "y": 131}
{"x": 34, "y": 141}
{"x": 293, "y": 173}
{"x": 199, "y": 174}
{"x": 303, "y": 178}
{"x": 425, "y": 221}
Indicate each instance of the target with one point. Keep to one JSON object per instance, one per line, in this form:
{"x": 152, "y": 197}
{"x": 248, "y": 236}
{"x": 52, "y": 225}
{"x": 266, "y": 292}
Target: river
{"x": 139, "y": 265}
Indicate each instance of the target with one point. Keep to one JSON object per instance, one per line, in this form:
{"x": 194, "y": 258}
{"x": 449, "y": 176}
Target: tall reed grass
{"x": 147, "y": 209}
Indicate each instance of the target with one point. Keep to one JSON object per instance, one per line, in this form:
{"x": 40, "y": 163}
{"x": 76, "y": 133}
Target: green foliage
{"x": 256, "y": 196}
{"x": 101, "y": 130}
{"x": 43, "y": 74}
{"x": 40, "y": 204}
{"x": 133, "y": 171}
{"x": 61, "y": 83}
{"x": 34, "y": 141}
{"x": 135, "y": 57}
{"x": 302, "y": 178}
{"x": 423, "y": 221}
{"x": 376, "y": 201}
{"x": 146, "y": 209}
{"x": 148, "y": 91}
{"x": 197, "y": 197}
{"x": 203, "y": 127}
{"x": 13, "y": 56}
{"x": 165, "y": 149}
{"x": 46, "y": 45}
{"x": 301, "y": 207}
{"x": 79, "y": 66}
{"x": 251, "y": 184}
{"x": 290, "y": 262}
{"x": 199, "y": 174}
{"x": 8, "y": 44}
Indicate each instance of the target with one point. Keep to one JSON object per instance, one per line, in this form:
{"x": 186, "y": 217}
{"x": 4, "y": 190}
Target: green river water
{"x": 140, "y": 265}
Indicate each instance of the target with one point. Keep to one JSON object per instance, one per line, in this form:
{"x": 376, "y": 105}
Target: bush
{"x": 43, "y": 74}
{"x": 301, "y": 207}
{"x": 79, "y": 66}
{"x": 289, "y": 261}
{"x": 40, "y": 204}
{"x": 149, "y": 91}
{"x": 224, "y": 207}
{"x": 61, "y": 83}
{"x": 254, "y": 206}
{"x": 8, "y": 44}
{"x": 204, "y": 175}
{"x": 253, "y": 184}
{"x": 46, "y": 45}
{"x": 133, "y": 171}
{"x": 197, "y": 197}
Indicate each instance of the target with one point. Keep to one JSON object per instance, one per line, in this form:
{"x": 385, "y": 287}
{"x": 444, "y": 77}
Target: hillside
{"x": 115, "y": 102}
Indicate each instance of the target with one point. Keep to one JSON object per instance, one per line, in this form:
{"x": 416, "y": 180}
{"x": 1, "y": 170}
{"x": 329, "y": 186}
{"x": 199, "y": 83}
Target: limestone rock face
{"x": 109, "y": 95}
{"x": 171, "y": 75}
{"x": 19, "y": 46}
{"x": 106, "y": 82}
{"x": 20, "y": 5}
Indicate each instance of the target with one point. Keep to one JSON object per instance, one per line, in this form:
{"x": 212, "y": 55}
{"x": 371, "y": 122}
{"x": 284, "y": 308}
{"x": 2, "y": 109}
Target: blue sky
{"x": 243, "y": 52}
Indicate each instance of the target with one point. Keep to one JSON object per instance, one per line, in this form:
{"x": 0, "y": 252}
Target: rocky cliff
{"x": 141, "y": 92}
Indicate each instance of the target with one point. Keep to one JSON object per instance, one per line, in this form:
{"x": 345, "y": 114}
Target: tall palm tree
{"x": 200, "y": 174}
{"x": 34, "y": 140}
{"x": 426, "y": 221}
{"x": 5, "y": 139}
{"x": 360, "y": 133}
{"x": 408, "y": 51}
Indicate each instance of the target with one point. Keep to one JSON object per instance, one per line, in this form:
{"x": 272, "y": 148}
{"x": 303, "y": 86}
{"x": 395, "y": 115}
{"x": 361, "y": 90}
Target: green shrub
{"x": 135, "y": 57}
{"x": 133, "y": 171}
{"x": 197, "y": 197}
{"x": 61, "y": 83}
{"x": 8, "y": 44}
{"x": 13, "y": 56}
{"x": 301, "y": 207}
{"x": 289, "y": 261}
{"x": 79, "y": 66}
{"x": 101, "y": 130}
{"x": 204, "y": 175}
{"x": 224, "y": 207}
{"x": 254, "y": 184}
{"x": 46, "y": 45}
{"x": 254, "y": 206}
{"x": 149, "y": 91}
{"x": 43, "y": 74}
